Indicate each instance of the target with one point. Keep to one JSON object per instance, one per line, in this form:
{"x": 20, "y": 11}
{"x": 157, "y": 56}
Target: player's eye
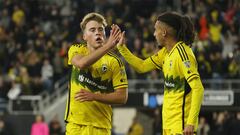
{"x": 100, "y": 29}
{"x": 92, "y": 29}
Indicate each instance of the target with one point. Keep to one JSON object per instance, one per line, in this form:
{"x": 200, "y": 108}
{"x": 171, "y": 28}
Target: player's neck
{"x": 170, "y": 44}
{"x": 92, "y": 48}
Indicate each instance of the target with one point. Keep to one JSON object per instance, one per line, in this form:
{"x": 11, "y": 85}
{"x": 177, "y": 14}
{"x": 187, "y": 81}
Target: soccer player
{"x": 98, "y": 79}
{"x": 183, "y": 89}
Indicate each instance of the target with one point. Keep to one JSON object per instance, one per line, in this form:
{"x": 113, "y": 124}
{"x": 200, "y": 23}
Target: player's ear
{"x": 104, "y": 34}
{"x": 164, "y": 32}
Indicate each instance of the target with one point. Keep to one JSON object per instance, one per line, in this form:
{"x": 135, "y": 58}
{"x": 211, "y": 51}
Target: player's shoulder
{"x": 78, "y": 48}
{"x": 161, "y": 51}
{"x": 114, "y": 58}
{"x": 183, "y": 51}
{"x": 78, "y": 45}
{"x": 161, "y": 48}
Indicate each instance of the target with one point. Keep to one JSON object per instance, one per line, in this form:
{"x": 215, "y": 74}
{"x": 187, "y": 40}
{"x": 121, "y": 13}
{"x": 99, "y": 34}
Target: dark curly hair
{"x": 183, "y": 26}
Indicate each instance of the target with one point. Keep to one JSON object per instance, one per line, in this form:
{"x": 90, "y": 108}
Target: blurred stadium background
{"x": 35, "y": 36}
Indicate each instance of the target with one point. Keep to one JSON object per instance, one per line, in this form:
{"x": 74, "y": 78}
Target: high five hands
{"x": 117, "y": 37}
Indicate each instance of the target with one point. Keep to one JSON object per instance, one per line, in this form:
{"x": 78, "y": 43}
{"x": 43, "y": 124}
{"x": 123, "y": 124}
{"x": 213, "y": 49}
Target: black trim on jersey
{"x": 69, "y": 95}
{"x": 187, "y": 90}
{"x": 184, "y": 51}
{"x": 181, "y": 50}
{"x": 171, "y": 52}
{"x": 119, "y": 61}
{"x": 191, "y": 76}
{"x": 78, "y": 45}
{"x": 119, "y": 85}
{"x": 184, "y": 55}
{"x": 180, "y": 54}
{"x": 155, "y": 63}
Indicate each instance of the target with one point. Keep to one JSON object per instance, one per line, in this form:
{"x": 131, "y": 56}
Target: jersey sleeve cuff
{"x": 191, "y": 122}
{"x": 120, "y": 86}
{"x": 191, "y": 77}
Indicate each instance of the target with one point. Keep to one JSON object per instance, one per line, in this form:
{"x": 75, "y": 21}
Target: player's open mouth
{"x": 99, "y": 40}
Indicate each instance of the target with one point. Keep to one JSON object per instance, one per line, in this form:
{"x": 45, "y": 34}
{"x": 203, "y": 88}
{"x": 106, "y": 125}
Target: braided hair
{"x": 184, "y": 28}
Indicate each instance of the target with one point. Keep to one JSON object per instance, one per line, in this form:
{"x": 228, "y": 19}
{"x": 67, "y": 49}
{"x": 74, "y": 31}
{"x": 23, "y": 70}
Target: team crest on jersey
{"x": 104, "y": 68}
{"x": 187, "y": 64}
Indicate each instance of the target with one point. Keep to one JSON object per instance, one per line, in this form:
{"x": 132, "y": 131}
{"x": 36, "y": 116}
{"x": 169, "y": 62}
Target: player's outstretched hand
{"x": 122, "y": 39}
{"x": 114, "y": 36}
{"x": 188, "y": 130}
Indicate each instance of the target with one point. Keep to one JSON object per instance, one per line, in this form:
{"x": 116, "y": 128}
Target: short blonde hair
{"x": 92, "y": 16}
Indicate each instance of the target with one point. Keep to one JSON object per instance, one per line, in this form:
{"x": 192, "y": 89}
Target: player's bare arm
{"x": 82, "y": 62}
{"x": 119, "y": 96}
{"x": 140, "y": 65}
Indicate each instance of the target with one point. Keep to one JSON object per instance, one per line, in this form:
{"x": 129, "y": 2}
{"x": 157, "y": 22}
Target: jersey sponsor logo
{"x": 175, "y": 84}
{"x": 169, "y": 84}
{"x": 82, "y": 78}
{"x": 86, "y": 79}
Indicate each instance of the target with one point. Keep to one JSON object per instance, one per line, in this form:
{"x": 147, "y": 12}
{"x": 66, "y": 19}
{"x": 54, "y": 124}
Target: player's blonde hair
{"x": 92, "y": 17}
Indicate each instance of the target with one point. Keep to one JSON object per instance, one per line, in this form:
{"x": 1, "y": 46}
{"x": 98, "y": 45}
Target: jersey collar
{"x": 174, "y": 47}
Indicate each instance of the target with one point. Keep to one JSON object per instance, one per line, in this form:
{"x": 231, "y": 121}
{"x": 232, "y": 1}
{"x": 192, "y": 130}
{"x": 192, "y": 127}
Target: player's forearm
{"x": 85, "y": 61}
{"x": 141, "y": 66}
{"x": 197, "y": 96}
{"x": 118, "y": 97}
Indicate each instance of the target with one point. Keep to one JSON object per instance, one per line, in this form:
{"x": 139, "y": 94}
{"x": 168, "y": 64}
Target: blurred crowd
{"x": 38, "y": 127}
{"x": 35, "y": 36}
{"x": 220, "y": 123}
{"x": 210, "y": 123}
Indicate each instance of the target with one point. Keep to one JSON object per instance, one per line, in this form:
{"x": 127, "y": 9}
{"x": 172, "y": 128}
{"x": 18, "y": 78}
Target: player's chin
{"x": 98, "y": 45}
{"x": 158, "y": 42}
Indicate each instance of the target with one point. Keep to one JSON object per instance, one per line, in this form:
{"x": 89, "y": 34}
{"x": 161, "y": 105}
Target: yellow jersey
{"x": 104, "y": 76}
{"x": 179, "y": 67}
